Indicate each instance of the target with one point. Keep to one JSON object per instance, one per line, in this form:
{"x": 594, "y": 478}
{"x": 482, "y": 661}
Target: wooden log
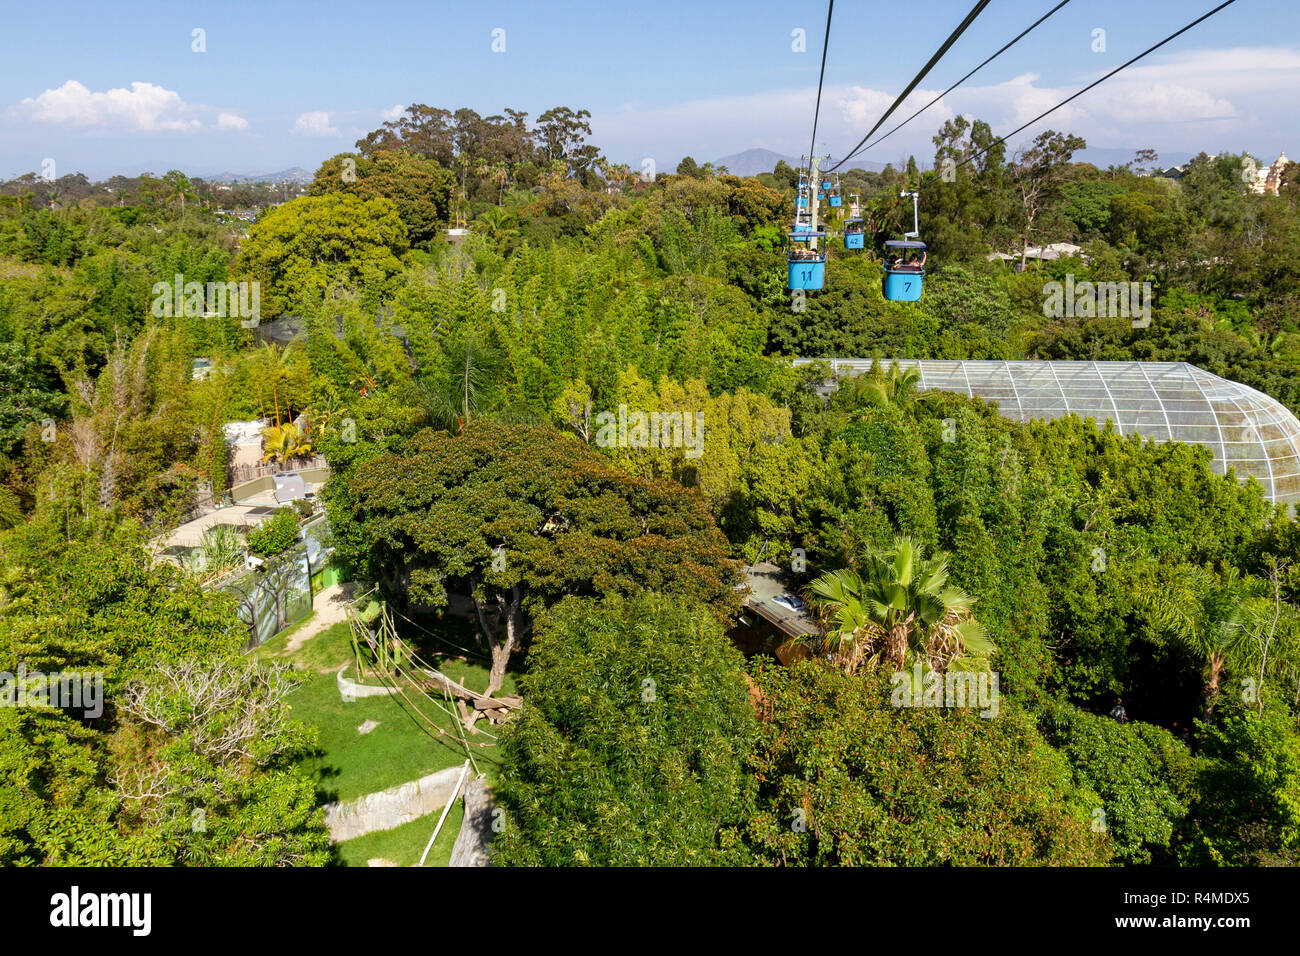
{"x": 480, "y": 701}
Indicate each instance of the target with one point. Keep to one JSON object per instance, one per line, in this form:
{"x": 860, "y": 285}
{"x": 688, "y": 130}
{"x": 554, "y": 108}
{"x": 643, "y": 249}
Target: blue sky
{"x": 106, "y": 88}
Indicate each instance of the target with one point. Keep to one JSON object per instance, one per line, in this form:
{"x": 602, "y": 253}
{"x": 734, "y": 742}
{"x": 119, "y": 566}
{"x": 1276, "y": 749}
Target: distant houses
{"x": 1269, "y": 178}
{"x": 1047, "y": 253}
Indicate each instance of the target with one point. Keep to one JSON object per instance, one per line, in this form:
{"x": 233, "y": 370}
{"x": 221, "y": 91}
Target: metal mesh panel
{"x": 1245, "y": 430}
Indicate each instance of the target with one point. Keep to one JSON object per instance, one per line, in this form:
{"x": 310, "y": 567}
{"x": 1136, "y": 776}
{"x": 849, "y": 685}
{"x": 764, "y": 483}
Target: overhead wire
{"x": 826, "y": 42}
{"x": 938, "y": 54}
{"x": 1095, "y": 83}
{"x": 1020, "y": 36}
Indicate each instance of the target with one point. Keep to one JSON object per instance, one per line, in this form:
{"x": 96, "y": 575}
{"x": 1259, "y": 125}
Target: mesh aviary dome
{"x": 1168, "y": 401}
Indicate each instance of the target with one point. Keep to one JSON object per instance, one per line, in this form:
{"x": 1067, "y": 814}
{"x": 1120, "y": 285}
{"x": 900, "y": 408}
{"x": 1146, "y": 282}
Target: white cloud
{"x": 144, "y": 107}
{"x": 231, "y": 121}
{"x": 1189, "y": 101}
{"x": 316, "y": 123}
{"x": 391, "y": 114}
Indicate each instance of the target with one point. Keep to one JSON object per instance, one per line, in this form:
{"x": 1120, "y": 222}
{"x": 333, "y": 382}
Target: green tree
{"x": 1247, "y": 812}
{"x": 179, "y": 188}
{"x": 630, "y": 747}
{"x": 461, "y": 388}
{"x": 322, "y": 245}
{"x": 561, "y": 135}
{"x": 518, "y": 518}
{"x": 194, "y": 734}
{"x": 27, "y": 396}
{"x": 848, "y": 780}
{"x": 1212, "y": 615}
{"x": 1141, "y": 774}
{"x": 900, "y": 608}
{"x": 419, "y": 188}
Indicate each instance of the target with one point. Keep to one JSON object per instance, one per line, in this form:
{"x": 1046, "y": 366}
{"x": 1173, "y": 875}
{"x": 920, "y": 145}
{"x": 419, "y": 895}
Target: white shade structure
{"x": 1166, "y": 401}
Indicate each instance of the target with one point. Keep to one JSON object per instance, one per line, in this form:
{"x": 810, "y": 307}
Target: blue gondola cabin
{"x": 853, "y": 234}
{"x": 904, "y": 270}
{"x": 807, "y": 263}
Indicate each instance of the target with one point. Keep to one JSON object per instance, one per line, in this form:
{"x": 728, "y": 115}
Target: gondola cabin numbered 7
{"x": 904, "y": 270}
{"x": 905, "y": 261}
{"x": 807, "y": 262}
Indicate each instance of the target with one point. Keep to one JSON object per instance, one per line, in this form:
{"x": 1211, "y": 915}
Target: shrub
{"x": 847, "y": 779}
{"x": 630, "y": 747}
{"x": 275, "y": 535}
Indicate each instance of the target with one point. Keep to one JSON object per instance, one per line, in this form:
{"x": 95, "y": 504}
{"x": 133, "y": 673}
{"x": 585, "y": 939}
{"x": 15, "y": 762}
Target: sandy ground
{"x": 330, "y": 607}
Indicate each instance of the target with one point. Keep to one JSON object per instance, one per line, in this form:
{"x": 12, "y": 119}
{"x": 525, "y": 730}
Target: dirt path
{"x": 330, "y": 606}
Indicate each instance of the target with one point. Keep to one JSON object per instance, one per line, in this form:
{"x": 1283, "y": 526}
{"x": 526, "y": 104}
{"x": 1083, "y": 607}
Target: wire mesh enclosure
{"x": 1245, "y": 429}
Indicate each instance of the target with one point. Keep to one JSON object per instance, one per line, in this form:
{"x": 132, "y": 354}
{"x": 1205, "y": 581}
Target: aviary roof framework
{"x": 1166, "y": 401}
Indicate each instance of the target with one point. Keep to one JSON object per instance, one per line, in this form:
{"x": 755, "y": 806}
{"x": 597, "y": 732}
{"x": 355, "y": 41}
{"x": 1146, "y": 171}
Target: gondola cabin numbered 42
{"x": 853, "y": 238}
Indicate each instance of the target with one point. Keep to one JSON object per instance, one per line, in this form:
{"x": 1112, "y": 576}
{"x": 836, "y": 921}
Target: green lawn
{"x": 404, "y": 844}
{"x": 402, "y": 747}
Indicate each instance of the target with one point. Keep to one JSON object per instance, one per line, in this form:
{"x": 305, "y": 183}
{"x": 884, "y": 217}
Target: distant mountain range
{"x": 754, "y": 161}
{"x": 294, "y": 175}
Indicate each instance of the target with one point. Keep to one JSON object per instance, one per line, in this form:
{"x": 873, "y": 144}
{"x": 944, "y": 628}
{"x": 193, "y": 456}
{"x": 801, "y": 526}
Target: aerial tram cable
{"x": 1045, "y": 113}
{"x": 938, "y": 54}
{"x": 1004, "y": 49}
{"x": 806, "y": 265}
{"x": 826, "y": 42}
{"x": 895, "y": 287}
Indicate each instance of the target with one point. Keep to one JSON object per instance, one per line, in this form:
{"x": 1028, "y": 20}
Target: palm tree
{"x": 1212, "y": 615}
{"x": 620, "y": 173}
{"x": 470, "y": 368}
{"x": 496, "y": 224}
{"x": 285, "y": 443}
{"x": 179, "y": 188}
{"x": 900, "y": 610}
{"x": 272, "y": 373}
{"x": 897, "y": 387}
{"x": 500, "y": 175}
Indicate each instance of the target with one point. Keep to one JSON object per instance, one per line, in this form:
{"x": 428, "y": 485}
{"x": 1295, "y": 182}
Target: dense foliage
{"x": 849, "y": 780}
{"x": 631, "y": 749}
{"x": 467, "y": 314}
